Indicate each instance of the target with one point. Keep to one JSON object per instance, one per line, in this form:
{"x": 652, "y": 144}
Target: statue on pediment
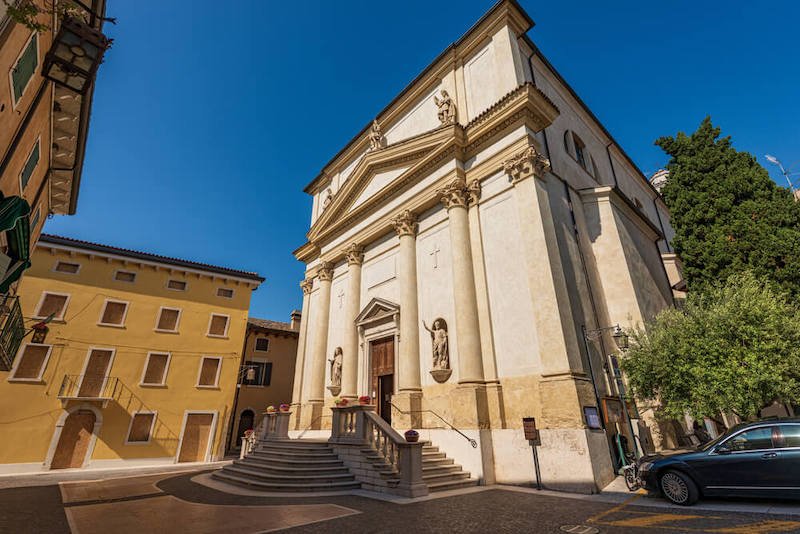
{"x": 375, "y": 136}
{"x": 328, "y": 199}
{"x": 447, "y": 108}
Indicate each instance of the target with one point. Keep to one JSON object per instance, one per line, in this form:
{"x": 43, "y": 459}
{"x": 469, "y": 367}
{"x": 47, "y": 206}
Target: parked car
{"x": 759, "y": 459}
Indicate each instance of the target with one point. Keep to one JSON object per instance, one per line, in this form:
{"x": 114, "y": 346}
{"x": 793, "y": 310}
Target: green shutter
{"x": 25, "y": 67}
{"x": 30, "y": 165}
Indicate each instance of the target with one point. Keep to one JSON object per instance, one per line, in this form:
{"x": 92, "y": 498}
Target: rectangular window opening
{"x": 218, "y": 326}
{"x": 67, "y": 267}
{"x": 176, "y": 285}
{"x": 262, "y": 344}
{"x": 141, "y": 427}
{"x": 225, "y": 292}
{"x": 168, "y": 319}
{"x": 155, "y": 372}
{"x": 32, "y": 362}
{"x": 114, "y": 313}
{"x": 125, "y": 276}
{"x": 209, "y": 372}
{"x": 52, "y": 304}
{"x": 25, "y": 68}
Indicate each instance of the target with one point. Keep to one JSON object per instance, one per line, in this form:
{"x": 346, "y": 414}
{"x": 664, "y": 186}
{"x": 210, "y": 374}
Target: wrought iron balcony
{"x": 89, "y": 388}
{"x": 12, "y": 330}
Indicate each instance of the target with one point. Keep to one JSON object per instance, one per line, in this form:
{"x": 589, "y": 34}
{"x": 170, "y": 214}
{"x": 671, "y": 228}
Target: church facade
{"x": 469, "y": 254}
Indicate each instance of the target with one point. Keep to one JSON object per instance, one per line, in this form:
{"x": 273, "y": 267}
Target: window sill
{"x": 157, "y": 386}
{"x": 207, "y": 387}
{"x": 217, "y": 336}
{"x": 137, "y": 443}
{"x": 27, "y": 380}
{"x": 54, "y": 321}
{"x": 109, "y": 325}
{"x": 160, "y": 331}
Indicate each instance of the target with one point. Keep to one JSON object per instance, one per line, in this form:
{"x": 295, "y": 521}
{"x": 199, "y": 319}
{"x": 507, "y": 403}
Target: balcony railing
{"x": 12, "y": 330}
{"x": 88, "y": 387}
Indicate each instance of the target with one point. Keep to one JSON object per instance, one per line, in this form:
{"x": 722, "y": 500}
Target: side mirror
{"x": 723, "y": 449}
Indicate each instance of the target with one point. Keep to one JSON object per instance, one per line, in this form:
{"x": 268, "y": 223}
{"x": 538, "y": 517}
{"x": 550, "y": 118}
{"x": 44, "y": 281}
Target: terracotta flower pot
{"x": 412, "y": 436}
{"x": 284, "y": 407}
{"x": 364, "y": 400}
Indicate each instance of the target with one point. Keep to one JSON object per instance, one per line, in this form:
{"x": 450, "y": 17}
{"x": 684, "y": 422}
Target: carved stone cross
{"x": 341, "y": 297}
{"x": 435, "y": 253}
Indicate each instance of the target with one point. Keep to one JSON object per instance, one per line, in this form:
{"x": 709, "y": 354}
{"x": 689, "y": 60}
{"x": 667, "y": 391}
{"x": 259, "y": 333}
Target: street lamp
{"x": 76, "y": 54}
{"x": 620, "y": 338}
{"x": 786, "y": 174}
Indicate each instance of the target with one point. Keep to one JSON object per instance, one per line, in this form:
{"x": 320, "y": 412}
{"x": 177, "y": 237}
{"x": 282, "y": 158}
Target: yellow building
{"x": 267, "y": 372}
{"x": 139, "y": 366}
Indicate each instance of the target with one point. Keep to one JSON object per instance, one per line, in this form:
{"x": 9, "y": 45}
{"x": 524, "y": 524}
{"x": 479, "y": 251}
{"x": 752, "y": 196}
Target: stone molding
{"x": 325, "y": 272}
{"x": 527, "y": 163}
{"x": 474, "y": 192}
{"x": 405, "y": 224}
{"x": 458, "y": 194}
{"x": 307, "y": 285}
{"x": 354, "y": 254}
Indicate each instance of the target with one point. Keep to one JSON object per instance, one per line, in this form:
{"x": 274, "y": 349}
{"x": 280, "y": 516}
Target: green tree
{"x": 734, "y": 348}
{"x": 728, "y": 215}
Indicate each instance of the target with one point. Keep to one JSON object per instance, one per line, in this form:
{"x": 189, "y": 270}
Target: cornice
{"x": 613, "y": 196}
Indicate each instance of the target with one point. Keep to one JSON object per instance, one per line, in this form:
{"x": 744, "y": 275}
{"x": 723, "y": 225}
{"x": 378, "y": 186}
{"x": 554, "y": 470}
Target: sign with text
{"x": 530, "y": 430}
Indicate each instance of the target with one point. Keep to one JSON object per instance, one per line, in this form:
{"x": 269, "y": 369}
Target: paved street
{"x": 177, "y": 503}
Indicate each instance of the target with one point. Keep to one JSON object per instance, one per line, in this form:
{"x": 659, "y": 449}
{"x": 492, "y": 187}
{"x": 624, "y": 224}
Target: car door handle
{"x": 769, "y": 455}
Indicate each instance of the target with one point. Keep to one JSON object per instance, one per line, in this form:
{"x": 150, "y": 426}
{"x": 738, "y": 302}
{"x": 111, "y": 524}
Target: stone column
{"x": 355, "y": 257}
{"x": 299, "y": 362}
{"x": 320, "y": 345}
{"x": 454, "y": 197}
{"x": 406, "y": 227}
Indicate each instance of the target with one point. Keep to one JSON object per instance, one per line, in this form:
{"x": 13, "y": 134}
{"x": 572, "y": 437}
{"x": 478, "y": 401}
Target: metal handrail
{"x": 442, "y": 419}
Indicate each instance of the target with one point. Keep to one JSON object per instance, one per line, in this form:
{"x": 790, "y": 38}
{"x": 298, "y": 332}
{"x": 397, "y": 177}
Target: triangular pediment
{"x": 376, "y": 310}
{"x": 380, "y": 172}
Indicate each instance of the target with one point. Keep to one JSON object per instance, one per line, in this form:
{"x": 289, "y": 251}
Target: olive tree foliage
{"x": 733, "y": 348}
{"x": 29, "y": 12}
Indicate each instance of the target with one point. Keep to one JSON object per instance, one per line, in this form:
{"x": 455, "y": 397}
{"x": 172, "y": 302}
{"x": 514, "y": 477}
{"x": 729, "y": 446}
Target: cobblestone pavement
{"x": 175, "y": 504}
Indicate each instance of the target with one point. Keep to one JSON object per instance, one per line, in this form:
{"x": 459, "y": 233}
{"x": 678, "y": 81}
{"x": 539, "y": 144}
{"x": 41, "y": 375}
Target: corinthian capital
{"x": 405, "y": 224}
{"x": 454, "y": 194}
{"x": 526, "y": 163}
{"x": 354, "y": 254}
{"x": 325, "y": 271}
{"x": 474, "y": 192}
{"x": 307, "y": 285}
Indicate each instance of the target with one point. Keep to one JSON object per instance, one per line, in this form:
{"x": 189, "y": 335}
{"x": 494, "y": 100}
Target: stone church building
{"x": 469, "y": 254}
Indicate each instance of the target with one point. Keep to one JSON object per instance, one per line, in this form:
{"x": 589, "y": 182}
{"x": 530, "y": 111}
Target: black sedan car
{"x": 750, "y": 460}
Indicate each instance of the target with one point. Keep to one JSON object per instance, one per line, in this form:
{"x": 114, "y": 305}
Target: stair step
{"x": 441, "y": 477}
{"x": 266, "y": 486}
{"x": 333, "y": 461}
{"x": 436, "y": 469}
{"x": 443, "y": 486}
{"x": 318, "y": 479}
{"x": 298, "y": 454}
{"x": 437, "y": 461}
{"x": 290, "y": 469}
{"x": 280, "y": 445}
{"x": 433, "y": 455}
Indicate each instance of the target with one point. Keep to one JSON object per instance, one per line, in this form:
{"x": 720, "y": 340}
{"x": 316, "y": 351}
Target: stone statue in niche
{"x": 447, "y": 108}
{"x": 336, "y": 368}
{"x": 441, "y": 357}
{"x": 375, "y": 136}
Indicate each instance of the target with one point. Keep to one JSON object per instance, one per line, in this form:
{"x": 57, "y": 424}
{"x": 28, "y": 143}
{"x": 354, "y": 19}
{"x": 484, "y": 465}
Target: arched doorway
{"x": 75, "y": 440}
{"x": 246, "y": 421}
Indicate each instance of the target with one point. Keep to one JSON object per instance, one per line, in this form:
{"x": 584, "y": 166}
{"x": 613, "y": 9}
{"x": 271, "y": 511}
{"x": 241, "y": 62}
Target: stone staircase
{"x": 314, "y": 466}
{"x": 290, "y": 466}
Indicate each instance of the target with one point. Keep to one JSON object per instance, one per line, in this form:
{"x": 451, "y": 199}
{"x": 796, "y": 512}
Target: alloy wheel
{"x": 674, "y": 488}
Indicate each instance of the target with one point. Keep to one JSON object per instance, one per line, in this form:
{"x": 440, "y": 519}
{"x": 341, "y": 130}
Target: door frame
{"x": 211, "y": 436}
{"x": 86, "y": 365}
{"x": 368, "y": 340}
{"x": 98, "y": 422}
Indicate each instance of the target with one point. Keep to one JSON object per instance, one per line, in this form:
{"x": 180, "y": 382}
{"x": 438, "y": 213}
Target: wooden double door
{"x": 382, "y": 375}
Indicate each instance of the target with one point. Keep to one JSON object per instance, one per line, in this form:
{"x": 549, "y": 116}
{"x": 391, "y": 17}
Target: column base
{"x": 409, "y": 414}
{"x": 469, "y": 407}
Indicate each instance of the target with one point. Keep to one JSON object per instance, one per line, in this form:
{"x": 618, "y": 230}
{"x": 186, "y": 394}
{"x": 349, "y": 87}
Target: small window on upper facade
{"x": 67, "y": 267}
{"x": 30, "y": 166}
{"x": 52, "y": 304}
{"x": 580, "y": 150}
{"x": 177, "y": 285}
{"x": 637, "y": 203}
{"x": 125, "y": 276}
{"x": 262, "y": 344}
{"x": 114, "y": 313}
{"x": 225, "y": 292}
{"x": 25, "y": 67}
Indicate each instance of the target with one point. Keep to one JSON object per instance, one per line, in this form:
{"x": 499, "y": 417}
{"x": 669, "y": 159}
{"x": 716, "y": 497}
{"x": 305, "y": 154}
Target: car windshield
{"x": 714, "y": 442}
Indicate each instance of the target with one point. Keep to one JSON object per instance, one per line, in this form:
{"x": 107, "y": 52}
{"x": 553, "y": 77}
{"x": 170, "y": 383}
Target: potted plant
{"x": 412, "y": 436}
{"x": 284, "y": 407}
{"x": 341, "y": 403}
{"x": 364, "y": 399}
{"x": 270, "y": 409}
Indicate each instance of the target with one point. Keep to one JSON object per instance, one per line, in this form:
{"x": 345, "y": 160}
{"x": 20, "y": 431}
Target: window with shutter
{"x": 32, "y": 361}
{"x": 30, "y": 166}
{"x": 26, "y": 65}
{"x": 168, "y": 320}
{"x": 218, "y": 326}
{"x": 262, "y": 344}
{"x": 141, "y": 427}
{"x": 114, "y": 313}
{"x": 67, "y": 267}
{"x": 125, "y": 276}
{"x": 155, "y": 372}
{"x": 209, "y": 372}
{"x": 52, "y": 304}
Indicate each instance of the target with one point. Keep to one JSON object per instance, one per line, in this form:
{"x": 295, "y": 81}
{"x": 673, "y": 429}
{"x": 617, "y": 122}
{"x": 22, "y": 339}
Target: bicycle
{"x": 631, "y": 474}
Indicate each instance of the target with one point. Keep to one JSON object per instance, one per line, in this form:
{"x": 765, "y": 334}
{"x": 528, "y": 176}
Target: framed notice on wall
{"x": 612, "y": 410}
{"x": 592, "y": 417}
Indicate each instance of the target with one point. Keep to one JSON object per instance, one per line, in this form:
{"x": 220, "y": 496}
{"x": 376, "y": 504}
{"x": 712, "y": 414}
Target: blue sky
{"x": 211, "y": 117}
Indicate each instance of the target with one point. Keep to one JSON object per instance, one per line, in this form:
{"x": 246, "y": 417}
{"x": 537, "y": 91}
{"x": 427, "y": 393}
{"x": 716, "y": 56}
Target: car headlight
{"x": 645, "y": 466}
